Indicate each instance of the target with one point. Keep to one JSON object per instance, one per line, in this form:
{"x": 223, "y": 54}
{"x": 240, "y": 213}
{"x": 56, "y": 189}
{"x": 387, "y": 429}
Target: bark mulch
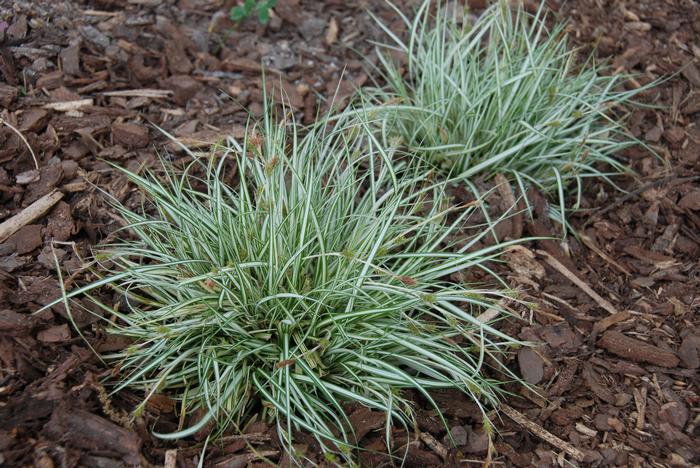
{"x": 85, "y": 83}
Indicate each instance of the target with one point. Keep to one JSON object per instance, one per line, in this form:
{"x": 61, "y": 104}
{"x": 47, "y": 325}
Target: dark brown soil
{"x": 616, "y": 319}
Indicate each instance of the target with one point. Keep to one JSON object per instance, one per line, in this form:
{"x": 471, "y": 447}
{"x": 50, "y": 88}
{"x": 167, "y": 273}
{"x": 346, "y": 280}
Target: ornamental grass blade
{"x": 501, "y": 94}
{"x": 319, "y": 278}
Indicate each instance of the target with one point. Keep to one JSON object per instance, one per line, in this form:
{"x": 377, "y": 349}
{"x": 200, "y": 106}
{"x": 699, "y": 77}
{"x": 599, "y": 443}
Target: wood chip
{"x": 74, "y": 187}
{"x": 88, "y": 431}
{"x": 637, "y": 26}
{"x": 50, "y": 80}
{"x": 434, "y": 445}
{"x": 27, "y": 177}
{"x": 147, "y": 93}
{"x": 29, "y": 214}
{"x": 130, "y": 135}
{"x": 184, "y": 87}
{"x": 566, "y": 378}
{"x": 492, "y": 313}
{"x": 245, "y": 459}
{"x": 609, "y": 321}
{"x": 637, "y": 350}
{"x": 26, "y": 239}
{"x": 542, "y": 433}
{"x": 101, "y": 13}
{"x": 557, "y": 265}
{"x": 11, "y": 321}
{"x": 57, "y": 334}
{"x": 690, "y": 201}
{"x": 67, "y": 106}
{"x": 597, "y": 384}
{"x": 522, "y": 261}
{"x": 531, "y": 365}
{"x": 510, "y": 205}
{"x": 640, "y": 401}
{"x": 7, "y": 94}
{"x": 170, "y": 458}
{"x": 585, "y": 430}
{"x": 331, "y": 32}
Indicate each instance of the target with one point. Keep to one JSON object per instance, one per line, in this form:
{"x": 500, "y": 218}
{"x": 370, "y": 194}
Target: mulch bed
{"x": 86, "y": 82}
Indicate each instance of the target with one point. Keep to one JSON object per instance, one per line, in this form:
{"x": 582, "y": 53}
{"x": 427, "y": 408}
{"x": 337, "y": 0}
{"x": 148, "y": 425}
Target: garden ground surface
{"x": 616, "y": 319}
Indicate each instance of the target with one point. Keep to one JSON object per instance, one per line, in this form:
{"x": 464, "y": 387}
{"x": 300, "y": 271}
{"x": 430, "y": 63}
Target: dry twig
{"x": 147, "y": 93}
{"x": 542, "y": 433}
{"x": 29, "y": 214}
{"x": 571, "y": 276}
{"x": 434, "y": 445}
{"x": 592, "y": 245}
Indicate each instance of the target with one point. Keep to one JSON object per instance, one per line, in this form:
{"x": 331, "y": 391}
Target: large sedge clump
{"x": 501, "y": 94}
{"x": 320, "y": 278}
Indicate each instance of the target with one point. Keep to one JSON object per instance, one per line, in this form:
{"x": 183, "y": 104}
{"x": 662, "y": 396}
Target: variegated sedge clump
{"x": 501, "y": 94}
{"x": 320, "y": 279}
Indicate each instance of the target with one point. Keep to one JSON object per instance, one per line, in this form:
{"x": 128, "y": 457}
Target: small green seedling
{"x": 261, "y": 8}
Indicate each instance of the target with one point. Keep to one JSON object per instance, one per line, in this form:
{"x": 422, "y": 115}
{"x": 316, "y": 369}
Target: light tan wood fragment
{"x": 147, "y": 93}
{"x": 170, "y": 458}
{"x": 542, "y": 433}
{"x": 434, "y": 444}
{"x": 29, "y": 214}
{"x": 66, "y": 106}
{"x": 571, "y": 276}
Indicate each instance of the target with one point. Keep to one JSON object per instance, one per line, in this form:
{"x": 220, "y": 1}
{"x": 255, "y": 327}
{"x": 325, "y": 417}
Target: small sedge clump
{"x": 313, "y": 283}
{"x": 500, "y": 94}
